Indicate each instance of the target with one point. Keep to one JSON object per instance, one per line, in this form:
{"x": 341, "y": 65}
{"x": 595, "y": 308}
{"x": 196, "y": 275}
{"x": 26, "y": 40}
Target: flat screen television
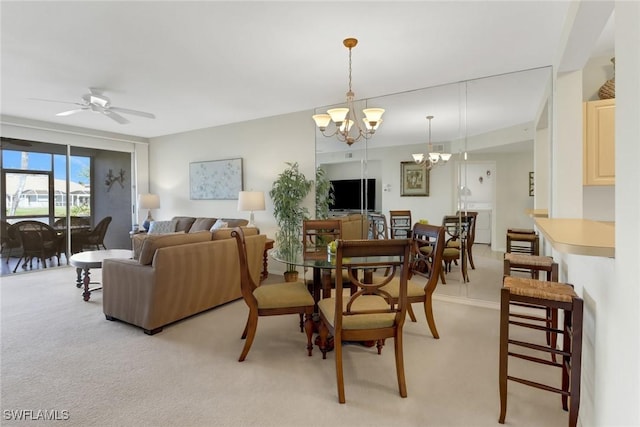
{"x": 347, "y": 194}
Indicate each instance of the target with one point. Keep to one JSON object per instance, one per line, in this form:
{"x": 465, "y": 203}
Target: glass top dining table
{"x": 323, "y": 263}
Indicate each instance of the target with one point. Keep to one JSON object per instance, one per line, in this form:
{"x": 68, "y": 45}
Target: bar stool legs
{"x": 557, "y": 296}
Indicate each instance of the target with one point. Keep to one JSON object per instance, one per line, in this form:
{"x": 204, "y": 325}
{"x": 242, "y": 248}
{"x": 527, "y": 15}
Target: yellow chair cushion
{"x": 453, "y": 244}
{"x": 281, "y": 295}
{"x": 413, "y": 288}
{"x": 450, "y": 252}
{"x": 359, "y": 321}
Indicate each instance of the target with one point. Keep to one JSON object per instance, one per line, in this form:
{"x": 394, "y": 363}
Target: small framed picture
{"x": 532, "y": 184}
{"x": 414, "y": 179}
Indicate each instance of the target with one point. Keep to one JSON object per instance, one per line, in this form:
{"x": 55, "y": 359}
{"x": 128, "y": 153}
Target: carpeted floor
{"x": 60, "y": 354}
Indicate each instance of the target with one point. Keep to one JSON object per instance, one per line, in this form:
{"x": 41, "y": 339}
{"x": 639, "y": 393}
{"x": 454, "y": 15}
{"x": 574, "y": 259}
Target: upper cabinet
{"x": 599, "y": 166}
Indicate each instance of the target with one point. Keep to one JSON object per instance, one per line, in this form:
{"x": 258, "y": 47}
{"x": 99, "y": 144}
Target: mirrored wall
{"x": 496, "y": 129}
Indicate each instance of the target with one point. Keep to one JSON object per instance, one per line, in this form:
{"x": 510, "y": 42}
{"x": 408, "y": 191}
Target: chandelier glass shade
{"x": 432, "y": 158}
{"x": 346, "y": 126}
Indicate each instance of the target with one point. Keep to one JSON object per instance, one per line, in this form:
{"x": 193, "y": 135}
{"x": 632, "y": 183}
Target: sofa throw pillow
{"x": 219, "y": 224}
{"x": 162, "y": 227}
{"x": 202, "y": 224}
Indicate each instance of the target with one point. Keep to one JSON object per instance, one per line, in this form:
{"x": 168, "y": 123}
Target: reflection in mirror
{"x": 497, "y": 130}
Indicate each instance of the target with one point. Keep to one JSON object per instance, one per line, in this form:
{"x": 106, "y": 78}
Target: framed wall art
{"x": 532, "y": 184}
{"x": 414, "y": 179}
{"x": 215, "y": 179}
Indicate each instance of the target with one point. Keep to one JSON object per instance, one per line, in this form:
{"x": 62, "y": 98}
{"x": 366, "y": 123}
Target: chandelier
{"x": 347, "y": 127}
{"x": 432, "y": 158}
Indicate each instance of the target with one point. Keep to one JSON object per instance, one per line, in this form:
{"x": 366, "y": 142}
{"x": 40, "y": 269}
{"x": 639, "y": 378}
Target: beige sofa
{"x": 176, "y": 276}
{"x": 354, "y": 226}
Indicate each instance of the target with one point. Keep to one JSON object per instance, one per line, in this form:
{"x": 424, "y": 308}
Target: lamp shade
{"x": 148, "y": 201}
{"x": 251, "y": 201}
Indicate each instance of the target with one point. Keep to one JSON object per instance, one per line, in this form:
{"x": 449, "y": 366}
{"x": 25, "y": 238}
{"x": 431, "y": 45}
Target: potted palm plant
{"x": 324, "y": 194}
{"x": 287, "y": 193}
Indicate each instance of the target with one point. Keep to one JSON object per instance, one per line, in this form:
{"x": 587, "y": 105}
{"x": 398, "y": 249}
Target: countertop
{"x": 579, "y": 236}
{"x": 537, "y": 213}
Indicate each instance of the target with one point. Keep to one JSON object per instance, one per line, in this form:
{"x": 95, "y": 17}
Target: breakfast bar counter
{"x": 579, "y": 236}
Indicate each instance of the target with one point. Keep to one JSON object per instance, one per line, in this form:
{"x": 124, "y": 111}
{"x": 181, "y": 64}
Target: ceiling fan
{"x": 97, "y": 102}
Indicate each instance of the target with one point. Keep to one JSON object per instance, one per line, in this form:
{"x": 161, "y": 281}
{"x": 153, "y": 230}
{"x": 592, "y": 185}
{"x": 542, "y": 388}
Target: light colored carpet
{"x": 59, "y": 353}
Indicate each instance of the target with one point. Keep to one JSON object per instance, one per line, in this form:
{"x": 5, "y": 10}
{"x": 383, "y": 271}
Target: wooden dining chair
{"x": 270, "y": 300}
{"x": 428, "y": 246}
{"x": 316, "y": 235}
{"x": 369, "y": 314}
{"x": 456, "y": 231}
{"x": 378, "y": 226}
{"x": 471, "y": 236}
{"x": 400, "y": 224}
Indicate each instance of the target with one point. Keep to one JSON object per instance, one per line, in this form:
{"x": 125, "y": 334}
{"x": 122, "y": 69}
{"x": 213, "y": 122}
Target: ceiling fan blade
{"x": 70, "y": 112}
{"x": 134, "y": 112}
{"x": 53, "y": 100}
{"x": 115, "y": 116}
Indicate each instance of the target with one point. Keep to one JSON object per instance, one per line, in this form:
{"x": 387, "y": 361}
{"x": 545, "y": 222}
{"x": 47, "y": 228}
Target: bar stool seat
{"x": 523, "y": 241}
{"x": 556, "y": 296}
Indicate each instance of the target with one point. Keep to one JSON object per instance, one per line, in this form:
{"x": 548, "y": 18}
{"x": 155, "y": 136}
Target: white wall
{"x": 264, "y": 146}
{"x": 611, "y": 353}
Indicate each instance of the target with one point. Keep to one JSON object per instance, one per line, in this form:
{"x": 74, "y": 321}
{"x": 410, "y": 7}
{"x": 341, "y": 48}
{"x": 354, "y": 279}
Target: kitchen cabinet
{"x": 599, "y": 142}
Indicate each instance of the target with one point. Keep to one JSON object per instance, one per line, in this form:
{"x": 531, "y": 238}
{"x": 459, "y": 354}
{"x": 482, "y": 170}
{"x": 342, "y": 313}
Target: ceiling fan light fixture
{"x": 345, "y": 119}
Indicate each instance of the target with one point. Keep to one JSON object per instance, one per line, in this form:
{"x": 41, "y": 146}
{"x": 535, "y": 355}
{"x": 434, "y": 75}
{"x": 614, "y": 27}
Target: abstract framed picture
{"x": 414, "y": 179}
{"x": 215, "y": 179}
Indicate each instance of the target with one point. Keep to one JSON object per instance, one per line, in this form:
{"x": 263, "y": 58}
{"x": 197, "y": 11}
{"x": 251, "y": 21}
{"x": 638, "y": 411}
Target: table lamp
{"x": 251, "y": 201}
{"x": 148, "y": 201}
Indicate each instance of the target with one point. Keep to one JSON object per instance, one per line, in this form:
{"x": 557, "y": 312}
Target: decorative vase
{"x": 608, "y": 89}
{"x": 291, "y": 276}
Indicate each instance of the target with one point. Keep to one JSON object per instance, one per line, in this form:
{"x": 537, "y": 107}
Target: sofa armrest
{"x": 126, "y": 287}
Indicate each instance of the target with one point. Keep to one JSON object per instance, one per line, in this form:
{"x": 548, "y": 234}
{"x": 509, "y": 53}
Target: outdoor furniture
{"x": 10, "y": 239}
{"x": 94, "y": 238}
{"x": 38, "y": 240}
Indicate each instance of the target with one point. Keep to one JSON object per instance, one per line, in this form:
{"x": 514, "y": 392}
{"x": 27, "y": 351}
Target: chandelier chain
{"x": 350, "y": 93}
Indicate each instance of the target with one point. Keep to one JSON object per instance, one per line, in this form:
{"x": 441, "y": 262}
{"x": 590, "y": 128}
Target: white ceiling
{"x": 207, "y": 63}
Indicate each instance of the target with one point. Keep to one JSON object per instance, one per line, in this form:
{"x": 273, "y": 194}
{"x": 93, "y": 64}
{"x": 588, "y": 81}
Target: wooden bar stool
{"x": 523, "y": 241}
{"x": 556, "y": 296}
{"x": 535, "y": 265}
